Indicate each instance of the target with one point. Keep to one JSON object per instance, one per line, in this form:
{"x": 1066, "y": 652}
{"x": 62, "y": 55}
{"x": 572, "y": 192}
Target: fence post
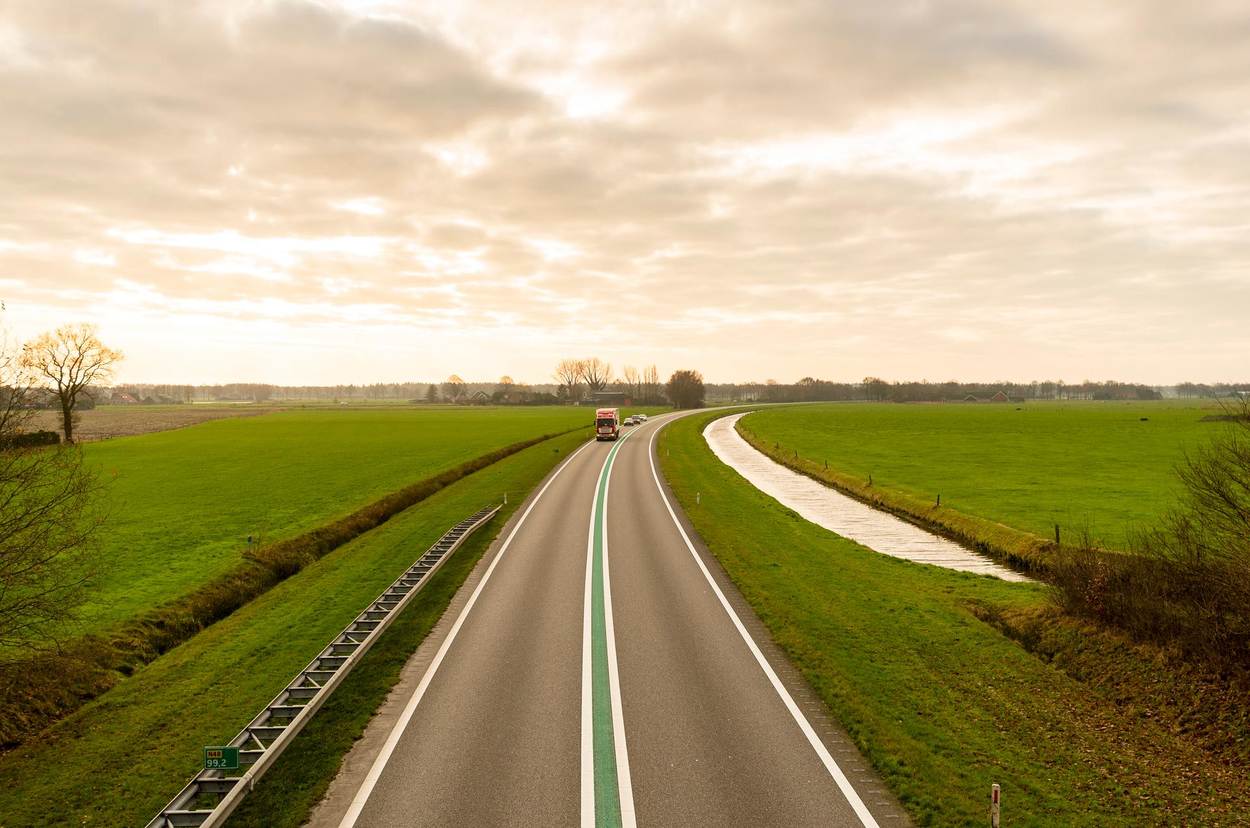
{"x": 994, "y": 805}
{"x": 1056, "y": 534}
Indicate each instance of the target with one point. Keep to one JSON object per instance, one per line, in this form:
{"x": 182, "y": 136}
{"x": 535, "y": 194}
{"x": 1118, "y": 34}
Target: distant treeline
{"x": 808, "y": 389}
{"x": 165, "y": 394}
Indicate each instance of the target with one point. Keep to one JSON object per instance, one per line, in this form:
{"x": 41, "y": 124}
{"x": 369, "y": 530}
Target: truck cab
{"x": 607, "y": 424}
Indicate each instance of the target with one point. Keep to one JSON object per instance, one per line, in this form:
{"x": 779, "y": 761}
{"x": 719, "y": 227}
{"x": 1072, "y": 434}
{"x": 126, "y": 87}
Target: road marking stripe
{"x": 379, "y": 764}
{"x": 625, "y": 784}
{"x": 607, "y": 788}
{"x": 844, "y": 784}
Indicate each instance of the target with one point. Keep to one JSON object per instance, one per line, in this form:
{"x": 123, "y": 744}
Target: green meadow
{"x": 181, "y": 504}
{"x": 1105, "y": 467}
{"x": 939, "y": 701}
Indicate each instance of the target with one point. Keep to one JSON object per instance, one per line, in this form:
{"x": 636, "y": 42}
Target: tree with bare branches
{"x": 569, "y": 374}
{"x": 596, "y": 373}
{"x": 633, "y": 385}
{"x": 46, "y": 520}
{"x": 70, "y": 360}
{"x": 454, "y": 388}
{"x": 651, "y": 385}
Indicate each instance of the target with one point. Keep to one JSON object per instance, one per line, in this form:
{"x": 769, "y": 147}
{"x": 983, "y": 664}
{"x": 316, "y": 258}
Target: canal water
{"x": 827, "y": 507}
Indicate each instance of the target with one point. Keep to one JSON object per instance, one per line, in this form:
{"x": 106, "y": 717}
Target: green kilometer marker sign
{"x": 221, "y": 758}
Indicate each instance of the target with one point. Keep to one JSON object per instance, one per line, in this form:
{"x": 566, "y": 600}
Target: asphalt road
{"x": 599, "y": 669}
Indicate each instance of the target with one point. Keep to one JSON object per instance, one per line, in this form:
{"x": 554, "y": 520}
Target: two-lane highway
{"x": 599, "y": 670}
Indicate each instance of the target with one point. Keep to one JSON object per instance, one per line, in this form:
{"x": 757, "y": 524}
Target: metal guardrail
{"x": 212, "y": 795}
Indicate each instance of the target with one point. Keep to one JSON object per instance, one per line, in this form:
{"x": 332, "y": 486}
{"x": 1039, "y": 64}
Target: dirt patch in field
{"x": 117, "y": 421}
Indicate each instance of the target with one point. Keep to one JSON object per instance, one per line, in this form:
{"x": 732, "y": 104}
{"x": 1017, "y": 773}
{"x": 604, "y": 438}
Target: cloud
{"x": 923, "y": 188}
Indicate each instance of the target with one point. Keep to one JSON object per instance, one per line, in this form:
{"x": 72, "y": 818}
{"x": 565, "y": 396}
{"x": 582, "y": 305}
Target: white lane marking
{"x": 379, "y": 764}
{"x": 624, "y": 784}
{"x": 844, "y": 784}
{"x": 588, "y": 724}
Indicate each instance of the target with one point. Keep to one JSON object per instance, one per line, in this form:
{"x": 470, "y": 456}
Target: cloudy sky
{"x": 378, "y": 190}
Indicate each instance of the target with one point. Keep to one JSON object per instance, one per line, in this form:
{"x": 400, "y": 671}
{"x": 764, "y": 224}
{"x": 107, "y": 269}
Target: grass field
{"x": 940, "y": 702}
{"x": 120, "y": 758}
{"x": 1084, "y": 465}
{"x": 182, "y": 503}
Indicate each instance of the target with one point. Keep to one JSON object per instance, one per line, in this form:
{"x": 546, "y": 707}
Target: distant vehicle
{"x": 630, "y": 421}
{"x": 607, "y": 424}
{"x": 642, "y": 418}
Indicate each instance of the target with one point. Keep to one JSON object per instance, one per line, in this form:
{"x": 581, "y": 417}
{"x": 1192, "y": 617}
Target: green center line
{"x": 607, "y": 789}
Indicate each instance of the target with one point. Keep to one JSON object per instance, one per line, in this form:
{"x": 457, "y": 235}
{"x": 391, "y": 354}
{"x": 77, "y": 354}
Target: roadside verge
{"x": 940, "y": 702}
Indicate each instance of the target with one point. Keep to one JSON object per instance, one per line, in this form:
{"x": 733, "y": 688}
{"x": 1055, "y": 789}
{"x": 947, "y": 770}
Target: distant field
{"x": 182, "y": 503}
{"x": 109, "y": 421}
{"x": 1078, "y": 464}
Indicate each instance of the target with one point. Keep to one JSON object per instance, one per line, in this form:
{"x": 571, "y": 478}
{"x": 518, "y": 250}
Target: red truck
{"x": 607, "y": 424}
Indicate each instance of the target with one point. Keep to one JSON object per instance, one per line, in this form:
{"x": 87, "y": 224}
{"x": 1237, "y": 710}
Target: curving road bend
{"x": 598, "y": 668}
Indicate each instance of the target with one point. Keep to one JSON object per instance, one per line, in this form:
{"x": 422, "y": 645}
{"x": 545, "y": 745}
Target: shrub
{"x": 1187, "y": 583}
{"x": 31, "y": 439}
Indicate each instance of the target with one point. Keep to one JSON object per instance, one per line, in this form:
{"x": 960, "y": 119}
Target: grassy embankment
{"x": 940, "y": 701}
{"x": 119, "y": 759}
{"x": 299, "y": 472}
{"x": 1007, "y": 474}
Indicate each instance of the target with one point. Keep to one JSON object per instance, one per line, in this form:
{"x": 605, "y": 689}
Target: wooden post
{"x": 1056, "y": 534}
{"x": 939, "y": 500}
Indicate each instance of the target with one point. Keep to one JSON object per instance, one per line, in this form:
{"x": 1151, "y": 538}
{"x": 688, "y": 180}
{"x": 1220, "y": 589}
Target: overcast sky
{"x": 303, "y": 192}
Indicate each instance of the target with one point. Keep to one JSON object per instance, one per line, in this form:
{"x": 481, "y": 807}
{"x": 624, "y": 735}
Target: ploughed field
{"x": 110, "y": 421}
{"x": 1103, "y": 466}
{"x": 181, "y": 504}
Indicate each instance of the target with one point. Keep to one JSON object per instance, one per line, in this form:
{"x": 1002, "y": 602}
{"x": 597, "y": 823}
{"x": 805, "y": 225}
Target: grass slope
{"x": 1088, "y": 465}
{"x": 182, "y": 503}
{"x": 119, "y": 759}
{"x": 940, "y": 702}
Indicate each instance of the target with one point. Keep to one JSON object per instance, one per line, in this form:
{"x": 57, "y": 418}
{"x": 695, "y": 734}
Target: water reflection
{"x": 843, "y": 515}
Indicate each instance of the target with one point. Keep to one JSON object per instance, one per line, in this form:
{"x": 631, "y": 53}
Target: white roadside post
{"x": 994, "y": 805}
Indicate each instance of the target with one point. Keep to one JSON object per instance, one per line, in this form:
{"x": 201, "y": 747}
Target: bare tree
{"x": 651, "y": 384}
{"x": 633, "y": 386}
{"x": 454, "y": 388}
{"x": 597, "y": 373}
{"x": 46, "y": 523}
{"x": 70, "y": 359}
{"x": 569, "y": 375}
